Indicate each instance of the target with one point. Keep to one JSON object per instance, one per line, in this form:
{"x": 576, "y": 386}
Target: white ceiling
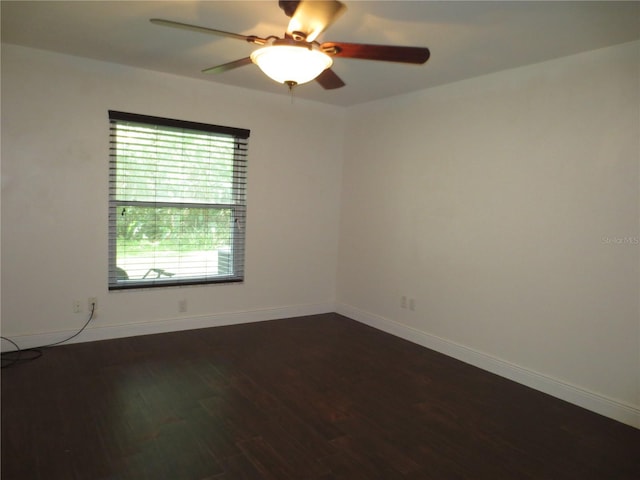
{"x": 466, "y": 39}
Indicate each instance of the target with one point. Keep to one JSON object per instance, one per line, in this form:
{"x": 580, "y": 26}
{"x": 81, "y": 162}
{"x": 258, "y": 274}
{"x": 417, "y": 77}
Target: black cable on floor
{"x": 18, "y": 355}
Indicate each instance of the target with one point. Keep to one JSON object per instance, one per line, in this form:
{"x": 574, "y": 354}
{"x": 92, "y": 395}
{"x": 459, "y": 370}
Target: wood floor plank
{"x": 310, "y": 398}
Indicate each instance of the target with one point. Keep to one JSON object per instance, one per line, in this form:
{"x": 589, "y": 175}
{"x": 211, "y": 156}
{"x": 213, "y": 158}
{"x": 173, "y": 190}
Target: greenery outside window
{"x": 177, "y": 202}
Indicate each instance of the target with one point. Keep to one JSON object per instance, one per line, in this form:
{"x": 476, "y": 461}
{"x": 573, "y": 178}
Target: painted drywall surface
{"x": 507, "y": 207}
{"x": 55, "y": 180}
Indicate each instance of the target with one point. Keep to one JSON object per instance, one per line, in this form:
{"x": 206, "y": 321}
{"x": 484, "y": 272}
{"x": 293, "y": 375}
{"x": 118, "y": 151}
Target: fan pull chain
{"x": 291, "y": 84}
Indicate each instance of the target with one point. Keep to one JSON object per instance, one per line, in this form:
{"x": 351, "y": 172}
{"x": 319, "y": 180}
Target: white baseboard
{"x": 170, "y": 325}
{"x": 603, "y": 405}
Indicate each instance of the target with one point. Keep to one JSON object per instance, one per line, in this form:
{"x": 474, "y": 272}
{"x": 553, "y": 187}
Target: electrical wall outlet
{"x": 77, "y": 307}
{"x": 92, "y": 304}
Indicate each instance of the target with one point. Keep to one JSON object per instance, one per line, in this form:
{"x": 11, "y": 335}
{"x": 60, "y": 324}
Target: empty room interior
{"x": 433, "y": 266}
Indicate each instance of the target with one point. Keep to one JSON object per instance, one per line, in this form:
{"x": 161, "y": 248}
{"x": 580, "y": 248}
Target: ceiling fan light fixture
{"x": 290, "y": 63}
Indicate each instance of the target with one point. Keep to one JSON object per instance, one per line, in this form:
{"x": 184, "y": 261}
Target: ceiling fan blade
{"x": 288, "y": 6}
{"x": 386, "y": 53}
{"x": 210, "y": 31}
{"x": 228, "y": 66}
{"x": 329, "y": 80}
{"x": 312, "y": 17}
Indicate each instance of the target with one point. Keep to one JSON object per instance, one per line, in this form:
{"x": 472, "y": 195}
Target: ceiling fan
{"x": 297, "y": 57}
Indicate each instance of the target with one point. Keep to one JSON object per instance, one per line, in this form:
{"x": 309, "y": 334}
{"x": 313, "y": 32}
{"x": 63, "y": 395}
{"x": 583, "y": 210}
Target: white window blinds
{"x": 177, "y": 202}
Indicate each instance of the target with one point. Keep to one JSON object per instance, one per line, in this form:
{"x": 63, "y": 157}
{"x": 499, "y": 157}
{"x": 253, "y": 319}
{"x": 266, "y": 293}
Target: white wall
{"x": 507, "y": 207}
{"x": 54, "y": 198}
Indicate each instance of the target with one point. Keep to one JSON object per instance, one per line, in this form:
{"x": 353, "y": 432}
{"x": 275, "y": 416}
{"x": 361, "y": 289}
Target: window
{"x": 176, "y": 202}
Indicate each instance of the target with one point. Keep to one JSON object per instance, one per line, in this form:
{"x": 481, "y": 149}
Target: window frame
{"x": 237, "y": 206}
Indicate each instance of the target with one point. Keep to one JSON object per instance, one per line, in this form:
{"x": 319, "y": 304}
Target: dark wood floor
{"x": 313, "y": 398}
